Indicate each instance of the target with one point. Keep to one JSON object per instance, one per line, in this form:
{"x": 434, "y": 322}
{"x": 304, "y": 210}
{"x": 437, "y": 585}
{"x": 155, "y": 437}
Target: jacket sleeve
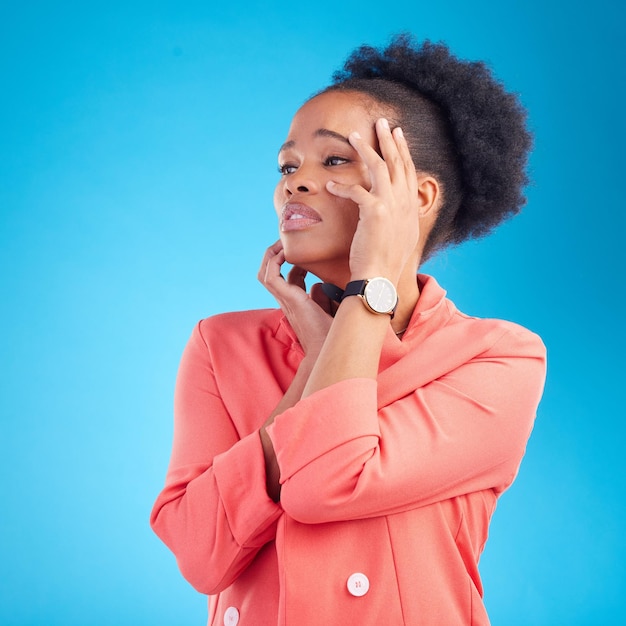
{"x": 343, "y": 456}
{"x": 214, "y": 512}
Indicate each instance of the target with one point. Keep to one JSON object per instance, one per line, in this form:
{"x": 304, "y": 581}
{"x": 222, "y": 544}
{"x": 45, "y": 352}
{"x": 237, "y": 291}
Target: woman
{"x": 337, "y": 461}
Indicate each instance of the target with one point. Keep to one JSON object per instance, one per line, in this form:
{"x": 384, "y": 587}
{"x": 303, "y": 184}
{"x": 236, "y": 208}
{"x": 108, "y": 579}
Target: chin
{"x": 327, "y": 271}
{"x": 300, "y": 252}
{"x": 306, "y": 262}
{"x": 326, "y": 262}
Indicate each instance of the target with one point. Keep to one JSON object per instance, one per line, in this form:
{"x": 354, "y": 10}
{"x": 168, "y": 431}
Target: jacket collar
{"x": 432, "y": 311}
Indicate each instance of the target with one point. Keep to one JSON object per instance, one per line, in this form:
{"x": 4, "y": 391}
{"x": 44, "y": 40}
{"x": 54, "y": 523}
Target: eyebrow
{"x": 320, "y": 132}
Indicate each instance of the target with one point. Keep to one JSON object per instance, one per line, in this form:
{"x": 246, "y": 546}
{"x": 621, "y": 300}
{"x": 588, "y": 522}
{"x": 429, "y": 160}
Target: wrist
{"x": 378, "y": 294}
{"x": 308, "y": 361}
{"x": 376, "y": 270}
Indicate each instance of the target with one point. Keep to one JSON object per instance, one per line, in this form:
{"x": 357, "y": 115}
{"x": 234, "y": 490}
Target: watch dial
{"x": 381, "y": 295}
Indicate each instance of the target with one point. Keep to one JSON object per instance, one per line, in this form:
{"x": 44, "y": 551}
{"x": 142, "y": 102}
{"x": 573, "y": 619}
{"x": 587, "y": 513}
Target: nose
{"x": 301, "y": 181}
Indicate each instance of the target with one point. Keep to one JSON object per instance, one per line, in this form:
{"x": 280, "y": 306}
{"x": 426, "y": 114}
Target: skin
{"x": 361, "y": 185}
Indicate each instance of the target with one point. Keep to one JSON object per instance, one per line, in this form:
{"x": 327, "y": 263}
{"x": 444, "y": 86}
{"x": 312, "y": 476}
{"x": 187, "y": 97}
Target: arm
{"x": 214, "y": 512}
{"x": 343, "y": 456}
{"x": 388, "y": 212}
{"x": 291, "y": 397}
{"x": 309, "y": 316}
{"x": 386, "y": 243}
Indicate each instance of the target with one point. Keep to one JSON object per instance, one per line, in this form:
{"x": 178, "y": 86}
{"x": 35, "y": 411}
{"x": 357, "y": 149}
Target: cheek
{"x": 356, "y": 175}
{"x": 349, "y": 215}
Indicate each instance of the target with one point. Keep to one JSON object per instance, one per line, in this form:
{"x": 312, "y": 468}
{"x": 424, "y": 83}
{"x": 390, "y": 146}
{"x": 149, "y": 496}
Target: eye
{"x": 287, "y": 168}
{"x": 335, "y": 160}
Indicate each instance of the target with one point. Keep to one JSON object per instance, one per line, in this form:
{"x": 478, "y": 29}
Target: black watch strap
{"x": 354, "y": 288}
{"x": 332, "y": 291}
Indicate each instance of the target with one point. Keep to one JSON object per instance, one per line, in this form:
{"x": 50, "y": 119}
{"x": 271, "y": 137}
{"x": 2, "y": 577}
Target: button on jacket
{"x": 388, "y": 485}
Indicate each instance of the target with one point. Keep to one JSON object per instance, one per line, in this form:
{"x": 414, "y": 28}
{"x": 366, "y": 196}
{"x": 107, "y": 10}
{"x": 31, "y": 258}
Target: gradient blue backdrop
{"x": 137, "y": 162}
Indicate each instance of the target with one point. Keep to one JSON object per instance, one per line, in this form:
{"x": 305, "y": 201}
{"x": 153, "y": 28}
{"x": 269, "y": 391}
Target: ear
{"x": 428, "y": 195}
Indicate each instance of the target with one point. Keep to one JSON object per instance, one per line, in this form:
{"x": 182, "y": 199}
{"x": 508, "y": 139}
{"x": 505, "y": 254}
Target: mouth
{"x": 297, "y": 216}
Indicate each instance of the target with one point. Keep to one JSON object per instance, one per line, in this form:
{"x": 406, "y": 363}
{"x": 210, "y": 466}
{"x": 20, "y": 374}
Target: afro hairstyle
{"x": 461, "y": 125}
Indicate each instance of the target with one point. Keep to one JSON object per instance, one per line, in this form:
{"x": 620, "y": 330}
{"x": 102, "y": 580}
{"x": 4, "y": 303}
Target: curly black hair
{"x": 461, "y": 125}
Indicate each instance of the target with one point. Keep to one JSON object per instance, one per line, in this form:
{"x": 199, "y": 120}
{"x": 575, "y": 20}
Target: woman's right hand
{"x": 310, "y": 317}
{"x": 308, "y": 314}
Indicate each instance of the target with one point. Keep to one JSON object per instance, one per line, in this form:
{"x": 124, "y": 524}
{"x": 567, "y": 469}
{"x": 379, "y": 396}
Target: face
{"x": 316, "y": 227}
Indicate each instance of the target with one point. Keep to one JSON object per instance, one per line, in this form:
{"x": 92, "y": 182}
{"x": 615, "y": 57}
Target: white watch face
{"x": 380, "y": 295}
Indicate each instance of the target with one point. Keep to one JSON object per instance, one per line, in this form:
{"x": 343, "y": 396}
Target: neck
{"x": 408, "y": 293}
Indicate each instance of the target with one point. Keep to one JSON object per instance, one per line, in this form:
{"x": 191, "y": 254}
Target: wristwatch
{"x": 378, "y": 294}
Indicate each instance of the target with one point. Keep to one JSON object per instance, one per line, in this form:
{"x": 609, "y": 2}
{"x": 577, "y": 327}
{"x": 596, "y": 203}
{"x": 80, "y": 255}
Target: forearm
{"x": 216, "y": 518}
{"x": 352, "y": 348}
{"x": 359, "y": 448}
{"x": 292, "y": 395}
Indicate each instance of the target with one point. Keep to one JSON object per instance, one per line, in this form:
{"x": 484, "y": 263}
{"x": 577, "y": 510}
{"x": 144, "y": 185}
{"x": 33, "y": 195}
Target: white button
{"x": 358, "y": 584}
{"x": 231, "y": 616}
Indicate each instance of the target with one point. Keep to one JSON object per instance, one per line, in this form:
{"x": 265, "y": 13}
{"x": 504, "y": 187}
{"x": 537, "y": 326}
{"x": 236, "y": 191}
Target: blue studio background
{"x": 137, "y": 163}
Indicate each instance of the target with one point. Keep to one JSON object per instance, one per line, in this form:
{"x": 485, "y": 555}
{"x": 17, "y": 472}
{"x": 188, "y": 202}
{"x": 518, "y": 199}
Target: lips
{"x": 297, "y": 216}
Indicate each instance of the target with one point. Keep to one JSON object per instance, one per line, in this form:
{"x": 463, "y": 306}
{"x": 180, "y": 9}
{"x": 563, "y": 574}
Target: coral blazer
{"x": 388, "y": 485}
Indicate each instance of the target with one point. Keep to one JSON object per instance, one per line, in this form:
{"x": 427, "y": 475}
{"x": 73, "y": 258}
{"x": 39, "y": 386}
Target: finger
{"x": 296, "y": 276}
{"x": 377, "y": 168}
{"x": 407, "y": 158}
{"x": 370, "y": 206}
{"x": 276, "y": 246}
{"x": 270, "y": 252}
{"x": 357, "y": 193}
{"x": 272, "y": 270}
{"x": 271, "y": 264}
{"x": 390, "y": 152}
{"x": 273, "y": 250}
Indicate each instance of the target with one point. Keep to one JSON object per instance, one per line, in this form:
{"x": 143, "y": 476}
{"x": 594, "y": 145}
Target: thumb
{"x": 296, "y": 277}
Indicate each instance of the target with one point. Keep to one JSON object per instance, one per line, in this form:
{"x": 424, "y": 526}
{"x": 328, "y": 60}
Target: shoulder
{"x": 244, "y": 332}
{"x": 450, "y": 329}
{"x": 241, "y": 323}
{"x": 493, "y": 336}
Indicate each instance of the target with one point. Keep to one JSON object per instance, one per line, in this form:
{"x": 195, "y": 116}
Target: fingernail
{"x": 384, "y": 123}
{"x": 355, "y": 135}
{"x": 399, "y": 132}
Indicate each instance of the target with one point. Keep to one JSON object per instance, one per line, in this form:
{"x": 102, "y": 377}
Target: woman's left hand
{"x": 387, "y": 233}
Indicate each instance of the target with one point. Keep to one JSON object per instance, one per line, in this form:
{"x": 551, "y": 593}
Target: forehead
{"x": 339, "y": 111}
